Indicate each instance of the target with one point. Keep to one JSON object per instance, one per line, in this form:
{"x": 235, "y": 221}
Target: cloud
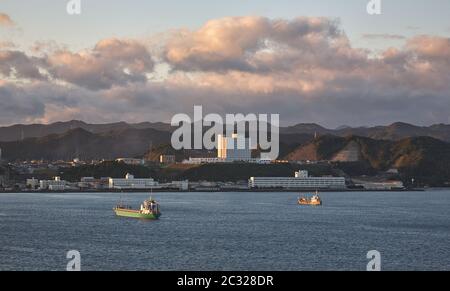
{"x": 17, "y": 105}
{"x": 251, "y": 43}
{"x": 6, "y": 21}
{"x": 430, "y": 46}
{"x": 112, "y": 62}
{"x": 4, "y": 44}
{"x": 305, "y": 69}
{"x": 384, "y": 36}
{"x": 17, "y": 64}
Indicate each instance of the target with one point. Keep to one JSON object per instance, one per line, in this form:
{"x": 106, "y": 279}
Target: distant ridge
{"x": 395, "y": 131}
{"x": 22, "y": 131}
{"x": 83, "y": 144}
{"x": 77, "y": 139}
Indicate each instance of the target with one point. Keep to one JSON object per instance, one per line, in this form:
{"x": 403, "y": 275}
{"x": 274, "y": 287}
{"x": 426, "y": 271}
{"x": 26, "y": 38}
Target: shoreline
{"x": 220, "y": 191}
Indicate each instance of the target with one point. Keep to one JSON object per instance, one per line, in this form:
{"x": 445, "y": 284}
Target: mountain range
{"x": 86, "y": 145}
{"x": 394, "y": 131}
{"x": 420, "y": 152}
{"x": 399, "y": 145}
{"x": 424, "y": 158}
{"x": 23, "y": 131}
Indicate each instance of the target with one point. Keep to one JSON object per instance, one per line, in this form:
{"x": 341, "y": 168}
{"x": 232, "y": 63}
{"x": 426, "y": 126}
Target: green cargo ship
{"x": 149, "y": 210}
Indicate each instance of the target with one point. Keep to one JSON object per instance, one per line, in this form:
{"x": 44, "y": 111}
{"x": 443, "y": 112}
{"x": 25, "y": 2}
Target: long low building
{"x": 385, "y": 185}
{"x": 301, "y": 180}
{"x": 53, "y": 185}
{"x": 131, "y": 161}
{"x": 132, "y": 183}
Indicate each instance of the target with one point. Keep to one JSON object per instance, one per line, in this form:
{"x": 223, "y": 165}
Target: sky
{"x": 323, "y": 61}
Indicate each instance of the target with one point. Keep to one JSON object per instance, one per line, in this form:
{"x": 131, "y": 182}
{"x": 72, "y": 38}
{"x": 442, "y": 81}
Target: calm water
{"x": 227, "y": 231}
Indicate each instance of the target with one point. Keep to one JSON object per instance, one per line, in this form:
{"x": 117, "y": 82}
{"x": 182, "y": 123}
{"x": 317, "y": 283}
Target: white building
{"x": 131, "y": 161}
{"x": 132, "y": 183}
{"x": 181, "y": 185}
{"x": 301, "y": 174}
{"x": 33, "y": 183}
{"x": 53, "y": 185}
{"x": 199, "y": 161}
{"x": 234, "y": 148}
{"x": 301, "y": 180}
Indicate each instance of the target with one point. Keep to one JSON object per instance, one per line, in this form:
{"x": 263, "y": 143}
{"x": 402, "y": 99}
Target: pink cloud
{"x": 112, "y": 62}
{"x": 305, "y": 69}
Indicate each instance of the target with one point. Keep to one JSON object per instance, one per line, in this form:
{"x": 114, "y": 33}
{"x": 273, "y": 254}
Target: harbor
{"x": 226, "y": 231}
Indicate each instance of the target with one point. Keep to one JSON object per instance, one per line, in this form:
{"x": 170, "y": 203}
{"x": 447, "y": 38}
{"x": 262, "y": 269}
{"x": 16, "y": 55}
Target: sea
{"x": 227, "y": 231}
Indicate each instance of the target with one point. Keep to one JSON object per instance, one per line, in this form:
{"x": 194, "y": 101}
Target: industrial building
{"x": 301, "y": 180}
{"x": 234, "y": 148}
{"x": 199, "y": 161}
{"x": 380, "y": 185}
{"x": 53, "y": 185}
{"x": 167, "y": 159}
{"x": 129, "y": 182}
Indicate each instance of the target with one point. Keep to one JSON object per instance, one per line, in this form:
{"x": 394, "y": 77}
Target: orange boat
{"x": 315, "y": 200}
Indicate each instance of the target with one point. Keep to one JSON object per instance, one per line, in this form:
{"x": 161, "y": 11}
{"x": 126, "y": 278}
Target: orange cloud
{"x": 244, "y": 43}
{"x": 5, "y": 20}
{"x": 430, "y": 46}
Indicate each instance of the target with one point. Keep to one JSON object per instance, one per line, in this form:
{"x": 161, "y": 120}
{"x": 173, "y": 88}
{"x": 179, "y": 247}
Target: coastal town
{"x": 228, "y": 153}
{"x": 224, "y": 143}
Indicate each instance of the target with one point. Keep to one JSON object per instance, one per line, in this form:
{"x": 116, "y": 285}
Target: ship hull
{"x": 310, "y": 203}
{"x": 136, "y": 214}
